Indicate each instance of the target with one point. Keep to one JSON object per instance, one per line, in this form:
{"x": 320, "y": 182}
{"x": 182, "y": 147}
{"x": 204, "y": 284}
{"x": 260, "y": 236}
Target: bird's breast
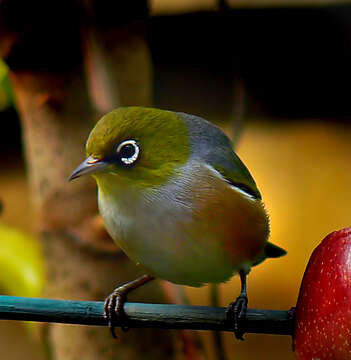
{"x": 194, "y": 230}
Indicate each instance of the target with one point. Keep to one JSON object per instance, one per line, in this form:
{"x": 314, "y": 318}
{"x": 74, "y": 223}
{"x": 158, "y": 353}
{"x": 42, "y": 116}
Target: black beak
{"x": 89, "y": 166}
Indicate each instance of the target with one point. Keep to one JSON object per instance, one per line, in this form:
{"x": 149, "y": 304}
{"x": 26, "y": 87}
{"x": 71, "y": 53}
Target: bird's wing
{"x": 234, "y": 171}
{"x": 210, "y": 145}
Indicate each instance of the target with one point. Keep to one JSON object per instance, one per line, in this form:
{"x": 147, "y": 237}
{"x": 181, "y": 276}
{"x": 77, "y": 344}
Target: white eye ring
{"x": 129, "y": 160}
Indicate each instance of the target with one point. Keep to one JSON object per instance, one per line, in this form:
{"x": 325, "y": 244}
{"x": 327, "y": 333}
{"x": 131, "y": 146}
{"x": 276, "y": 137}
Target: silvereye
{"x": 177, "y": 200}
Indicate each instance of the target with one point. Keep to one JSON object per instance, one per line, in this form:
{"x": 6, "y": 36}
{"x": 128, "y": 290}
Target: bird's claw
{"x": 113, "y": 311}
{"x": 113, "y": 307}
{"x": 236, "y": 313}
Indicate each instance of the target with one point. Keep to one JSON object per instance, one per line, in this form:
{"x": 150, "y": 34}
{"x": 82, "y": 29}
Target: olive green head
{"x": 136, "y": 145}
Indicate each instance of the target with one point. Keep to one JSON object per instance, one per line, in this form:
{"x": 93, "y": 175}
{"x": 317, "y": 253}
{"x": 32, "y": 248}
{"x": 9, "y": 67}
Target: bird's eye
{"x": 128, "y": 151}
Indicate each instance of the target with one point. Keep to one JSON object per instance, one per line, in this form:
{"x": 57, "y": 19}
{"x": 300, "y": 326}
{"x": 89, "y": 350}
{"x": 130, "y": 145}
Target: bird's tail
{"x": 270, "y": 251}
{"x": 273, "y": 251}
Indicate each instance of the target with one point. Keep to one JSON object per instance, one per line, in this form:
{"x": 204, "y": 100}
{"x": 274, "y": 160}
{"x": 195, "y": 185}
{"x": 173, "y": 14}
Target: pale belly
{"x": 160, "y": 241}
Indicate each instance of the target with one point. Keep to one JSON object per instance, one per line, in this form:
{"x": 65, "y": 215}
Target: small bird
{"x": 177, "y": 200}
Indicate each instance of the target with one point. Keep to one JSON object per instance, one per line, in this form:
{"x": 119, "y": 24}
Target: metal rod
{"x": 143, "y": 315}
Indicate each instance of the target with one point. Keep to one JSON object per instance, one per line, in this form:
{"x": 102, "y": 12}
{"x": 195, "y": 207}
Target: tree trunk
{"x": 61, "y": 87}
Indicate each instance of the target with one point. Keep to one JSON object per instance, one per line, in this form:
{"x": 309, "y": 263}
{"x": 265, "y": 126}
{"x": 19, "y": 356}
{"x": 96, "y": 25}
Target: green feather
{"x": 238, "y": 175}
{"x": 163, "y": 138}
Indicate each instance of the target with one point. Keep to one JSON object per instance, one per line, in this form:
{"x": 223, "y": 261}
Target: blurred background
{"x": 275, "y": 75}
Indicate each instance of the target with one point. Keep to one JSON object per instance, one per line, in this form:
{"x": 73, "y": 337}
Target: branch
{"x": 141, "y": 315}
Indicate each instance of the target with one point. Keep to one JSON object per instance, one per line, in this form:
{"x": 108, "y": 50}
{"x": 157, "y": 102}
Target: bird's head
{"x": 136, "y": 146}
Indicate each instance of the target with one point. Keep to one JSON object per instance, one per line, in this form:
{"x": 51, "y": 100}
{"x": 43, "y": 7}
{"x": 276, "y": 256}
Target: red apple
{"x": 323, "y": 310}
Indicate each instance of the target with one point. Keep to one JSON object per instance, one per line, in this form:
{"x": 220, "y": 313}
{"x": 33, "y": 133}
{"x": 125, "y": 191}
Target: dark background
{"x": 294, "y": 63}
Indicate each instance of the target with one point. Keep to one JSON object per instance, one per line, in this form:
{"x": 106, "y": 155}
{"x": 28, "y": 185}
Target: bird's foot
{"x": 113, "y": 310}
{"x": 236, "y": 313}
{"x": 113, "y": 307}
